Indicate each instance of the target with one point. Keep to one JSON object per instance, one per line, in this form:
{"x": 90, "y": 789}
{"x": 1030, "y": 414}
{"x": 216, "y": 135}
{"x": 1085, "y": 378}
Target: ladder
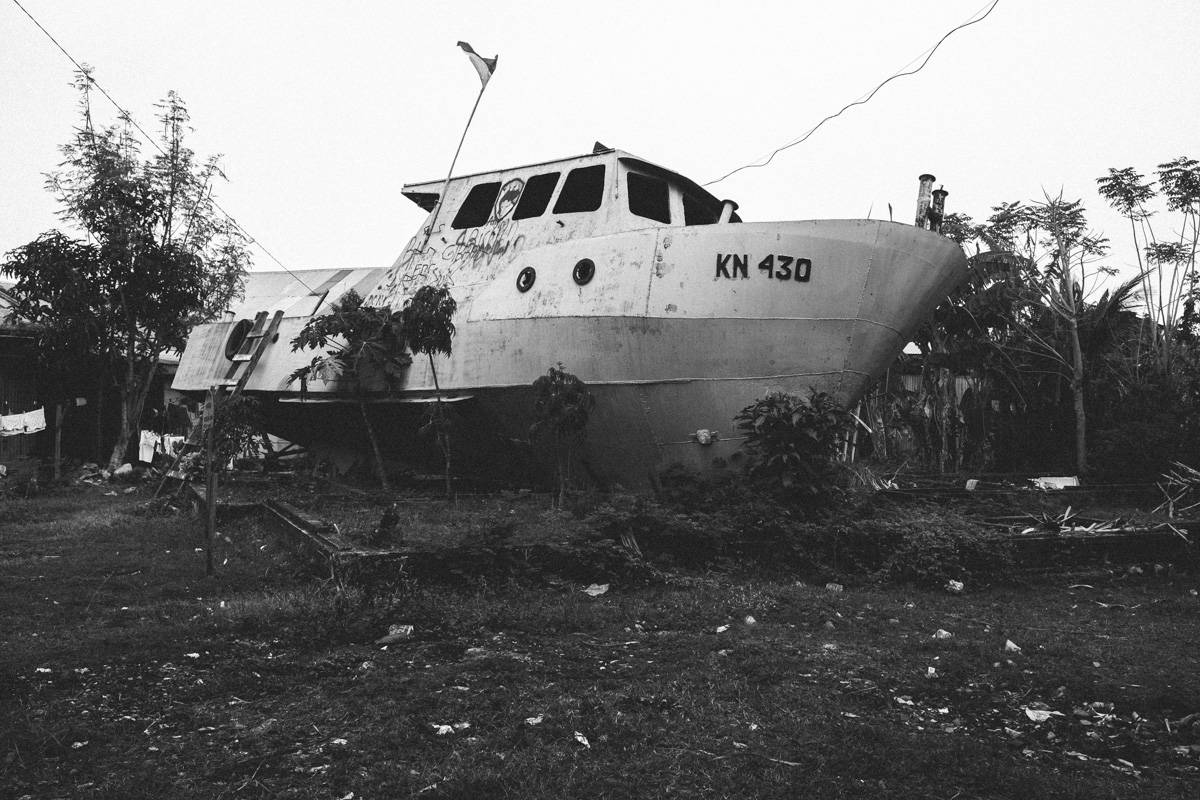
{"x": 251, "y": 349}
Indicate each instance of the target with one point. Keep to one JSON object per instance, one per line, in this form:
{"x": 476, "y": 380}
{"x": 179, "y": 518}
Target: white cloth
{"x": 35, "y": 420}
{"x": 147, "y": 444}
{"x": 12, "y": 424}
{"x": 29, "y": 422}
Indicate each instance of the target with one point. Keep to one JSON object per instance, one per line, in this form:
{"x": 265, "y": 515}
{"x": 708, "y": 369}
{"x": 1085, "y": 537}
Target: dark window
{"x": 583, "y": 190}
{"x": 476, "y": 209}
{"x": 698, "y": 212}
{"x": 536, "y": 196}
{"x": 649, "y": 197}
{"x": 703, "y": 212}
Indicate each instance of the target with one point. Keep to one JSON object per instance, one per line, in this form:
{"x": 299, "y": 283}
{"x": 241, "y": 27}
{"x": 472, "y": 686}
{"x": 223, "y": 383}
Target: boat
{"x": 675, "y": 312}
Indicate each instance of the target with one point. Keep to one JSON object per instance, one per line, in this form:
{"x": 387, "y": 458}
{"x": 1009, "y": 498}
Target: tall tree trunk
{"x": 439, "y": 426}
{"x": 99, "y": 453}
{"x": 379, "y": 468}
{"x": 133, "y": 399}
{"x": 1077, "y": 391}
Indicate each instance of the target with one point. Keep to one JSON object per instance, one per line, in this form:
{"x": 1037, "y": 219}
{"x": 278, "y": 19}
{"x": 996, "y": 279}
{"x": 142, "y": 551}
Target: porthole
{"x": 525, "y": 279}
{"x": 585, "y": 270}
{"x": 236, "y": 336}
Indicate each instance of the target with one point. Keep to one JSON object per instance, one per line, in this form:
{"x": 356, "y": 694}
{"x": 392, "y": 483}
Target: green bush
{"x": 931, "y": 548}
{"x": 792, "y": 443}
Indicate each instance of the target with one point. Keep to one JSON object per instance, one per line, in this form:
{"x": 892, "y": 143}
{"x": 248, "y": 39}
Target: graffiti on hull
{"x": 430, "y": 259}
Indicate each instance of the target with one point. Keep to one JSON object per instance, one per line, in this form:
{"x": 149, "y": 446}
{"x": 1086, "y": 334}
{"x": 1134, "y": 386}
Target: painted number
{"x": 779, "y": 267}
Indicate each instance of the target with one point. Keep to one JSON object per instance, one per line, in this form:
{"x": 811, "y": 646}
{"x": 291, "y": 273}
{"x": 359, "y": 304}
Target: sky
{"x": 323, "y": 110}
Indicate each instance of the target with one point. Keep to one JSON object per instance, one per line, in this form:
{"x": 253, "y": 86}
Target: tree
{"x": 157, "y": 257}
{"x": 371, "y": 346}
{"x": 1167, "y": 265}
{"x": 1023, "y": 324}
{"x": 562, "y": 405}
{"x": 428, "y": 327}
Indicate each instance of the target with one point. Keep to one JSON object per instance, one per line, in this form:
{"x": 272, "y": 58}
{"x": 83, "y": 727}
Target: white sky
{"x": 323, "y": 110}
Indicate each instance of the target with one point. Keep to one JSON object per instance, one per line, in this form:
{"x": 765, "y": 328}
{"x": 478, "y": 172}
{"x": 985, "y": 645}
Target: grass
{"x": 126, "y": 673}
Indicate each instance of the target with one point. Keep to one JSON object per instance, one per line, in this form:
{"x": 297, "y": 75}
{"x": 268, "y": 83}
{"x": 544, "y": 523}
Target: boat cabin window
{"x": 476, "y": 209}
{"x": 702, "y": 212}
{"x": 649, "y": 197}
{"x": 697, "y": 212}
{"x": 536, "y": 195}
{"x": 583, "y": 190}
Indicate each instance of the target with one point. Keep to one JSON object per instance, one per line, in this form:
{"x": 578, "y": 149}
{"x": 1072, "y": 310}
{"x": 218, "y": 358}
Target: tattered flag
{"x": 484, "y": 66}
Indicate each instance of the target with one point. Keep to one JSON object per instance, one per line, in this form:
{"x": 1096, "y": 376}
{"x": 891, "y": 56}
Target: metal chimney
{"x": 937, "y": 211}
{"x": 924, "y": 198}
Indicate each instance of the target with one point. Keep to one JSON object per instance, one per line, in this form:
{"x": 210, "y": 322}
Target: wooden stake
{"x": 58, "y": 418}
{"x": 210, "y": 475}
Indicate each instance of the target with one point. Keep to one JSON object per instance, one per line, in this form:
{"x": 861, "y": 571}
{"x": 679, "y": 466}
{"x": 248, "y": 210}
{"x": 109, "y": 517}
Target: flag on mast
{"x": 484, "y": 66}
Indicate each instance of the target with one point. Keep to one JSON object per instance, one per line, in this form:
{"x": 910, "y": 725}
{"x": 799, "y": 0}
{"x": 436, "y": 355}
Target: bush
{"x": 792, "y": 443}
{"x": 936, "y": 547}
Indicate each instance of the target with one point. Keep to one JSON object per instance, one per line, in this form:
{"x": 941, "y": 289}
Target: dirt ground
{"x": 127, "y": 673}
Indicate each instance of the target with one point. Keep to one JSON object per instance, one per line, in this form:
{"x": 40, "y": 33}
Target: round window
{"x": 525, "y": 279}
{"x": 237, "y": 336}
{"x": 585, "y": 270}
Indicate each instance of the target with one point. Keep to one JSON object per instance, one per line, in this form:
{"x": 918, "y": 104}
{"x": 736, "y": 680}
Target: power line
{"x": 125, "y": 115}
{"x": 928, "y": 55}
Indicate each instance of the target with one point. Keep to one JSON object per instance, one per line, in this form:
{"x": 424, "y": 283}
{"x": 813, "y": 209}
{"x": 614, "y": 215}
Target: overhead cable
{"x": 927, "y": 55}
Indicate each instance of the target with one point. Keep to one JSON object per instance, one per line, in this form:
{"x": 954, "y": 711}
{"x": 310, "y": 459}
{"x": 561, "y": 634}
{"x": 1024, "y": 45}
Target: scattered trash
{"x": 396, "y": 633}
{"x": 905, "y": 700}
{"x": 954, "y": 587}
{"x": 1011, "y": 647}
{"x": 941, "y": 633}
{"x": 930, "y": 672}
{"x": 829, "y": 625}
{"x": 972, "y": 484}
{"x": 1053, "y": 484}
{"x": 749, "y": 620}
{"x": 535, "y": 720}
{"x": 833, "y": 587}
{"x": 123, "y": 470}
{"x": 131, "y": 490}
{"x": 1135, "y": 570}
{"x": 722, "y": 628}
{"x": 192, "y": 655}
{"x": 1041, "y": 714}
{"x": 583, "y": 740}
{"x": 596, "y": 589}
{"x": 442, "y": 730}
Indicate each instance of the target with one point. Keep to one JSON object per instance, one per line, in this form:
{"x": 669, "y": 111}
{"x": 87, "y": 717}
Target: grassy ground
{"x": 124, "y": 672}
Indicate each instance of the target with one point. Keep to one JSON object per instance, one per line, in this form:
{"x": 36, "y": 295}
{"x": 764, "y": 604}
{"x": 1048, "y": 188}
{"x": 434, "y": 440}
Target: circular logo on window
{"x": 506, "y": 201}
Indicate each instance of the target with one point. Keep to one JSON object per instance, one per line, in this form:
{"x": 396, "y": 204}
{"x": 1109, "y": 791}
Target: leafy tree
{"x": 428, "y": 327}
{"x": 1167, "y": 264}
{"x": 792, "y": 442}
{"x": 156, "y": 258}
{"x": 562, "y": 405}
{"x": 1022, "y": 327}
{"x": 367, "y": 344}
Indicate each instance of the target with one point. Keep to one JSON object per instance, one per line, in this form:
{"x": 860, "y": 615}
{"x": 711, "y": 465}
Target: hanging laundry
{"x": 147, "y": 444}
{"x": 35, "y": 420}
{"x": 17, "y": 424}
{"x": 12, "y": 424}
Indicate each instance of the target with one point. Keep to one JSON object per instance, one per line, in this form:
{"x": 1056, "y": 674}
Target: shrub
{"x": 932, "y": 548}
{"x": 791, "y": 442}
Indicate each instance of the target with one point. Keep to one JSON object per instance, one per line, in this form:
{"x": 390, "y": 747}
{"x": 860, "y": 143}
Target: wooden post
{"x": 210, "y": 475}
{"x": 58, "y": 418}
